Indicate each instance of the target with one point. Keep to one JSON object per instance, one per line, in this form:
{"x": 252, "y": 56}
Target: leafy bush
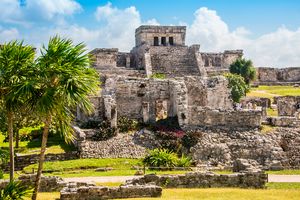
{"x": 243, "y": 68}
{"x": 125, "y": 124}
{"x": 1, "y": 174}
{"x": 4, "y": 156}
{"x": 160, "y": 158}
{"x": 158, "y": 76}
{"x": 237, "y": 85}
{"x": 15, "y": 190}
{"x": 105, "y": 132}
{"x": 184, "y": 161}
{"x": 91, "y": 124}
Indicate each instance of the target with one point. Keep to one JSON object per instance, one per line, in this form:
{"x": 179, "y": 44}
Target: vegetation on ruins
{"x": 158, "y": 76}
{"x": 237, "y": 85}
{"x": 165, "y": 159}
{"x": 244, "y": 68}
{"x": 16, "y": 67}
{"x": 15, "y": 190}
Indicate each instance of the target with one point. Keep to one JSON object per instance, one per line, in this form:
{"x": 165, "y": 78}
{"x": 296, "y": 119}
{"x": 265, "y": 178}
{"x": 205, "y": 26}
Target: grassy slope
{"x": 54, "y": 145}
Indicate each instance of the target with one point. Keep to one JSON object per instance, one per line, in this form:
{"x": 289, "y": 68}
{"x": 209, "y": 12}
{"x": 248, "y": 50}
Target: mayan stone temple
{"x": 188, "y": 91}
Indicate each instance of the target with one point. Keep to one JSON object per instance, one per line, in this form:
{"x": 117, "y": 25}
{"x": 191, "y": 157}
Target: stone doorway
{"x": 161, "y": 109}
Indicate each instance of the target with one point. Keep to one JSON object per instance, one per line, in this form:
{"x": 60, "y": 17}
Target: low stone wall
{"x": 258, "y": 101}
{"x": 121, "y": 146}
{"x": 272, "y": 76}
{"x": 205, "y": 117}
{"x": 48, "y": 183}
{"x": 204, "y": 180}
{"x": 22, "y": 161}
{"x": 73, "y": 192}
{"x": 284, "y": 121}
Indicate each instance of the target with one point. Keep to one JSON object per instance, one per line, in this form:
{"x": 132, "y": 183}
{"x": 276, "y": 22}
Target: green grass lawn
{"x": 86, "y": 167}
{"x": 285, "y": 172}
{"x": 271, "y": 91}
{"x": 54, "y": 145}
{"x": 213, "y": 194}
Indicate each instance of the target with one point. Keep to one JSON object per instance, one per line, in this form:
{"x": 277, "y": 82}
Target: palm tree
{"x": 16, "y": 62}
{"x": 65, "y": 80}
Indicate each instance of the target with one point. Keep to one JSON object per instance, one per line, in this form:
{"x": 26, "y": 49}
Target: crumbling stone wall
{"x": 219, "y": 148}
{"x": 47, "y": 184}
{"x": 220, "y": 60}
{"x": 204, "y": 180}
{"x": 73, "y": 192}
{"x": 207, "y": 117}
{"x": 288, "y": 105}
{"x": 266, "y": 75}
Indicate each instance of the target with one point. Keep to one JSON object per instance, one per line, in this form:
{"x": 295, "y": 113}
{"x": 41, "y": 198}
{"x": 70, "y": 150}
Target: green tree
{"x": 237, "y": 85}
{"x": 244, "y": 68}
{"x": 16, "y": 64}
{"x": 64, "y": 80}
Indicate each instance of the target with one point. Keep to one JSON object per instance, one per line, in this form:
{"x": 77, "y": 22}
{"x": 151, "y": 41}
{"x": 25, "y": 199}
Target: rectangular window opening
{"x": 171, "y": 40}
{"x": 156, "y": 41}
{"x": 163, "y": 41}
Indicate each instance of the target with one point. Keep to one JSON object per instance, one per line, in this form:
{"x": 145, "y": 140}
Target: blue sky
{"x": 268, "y": 31}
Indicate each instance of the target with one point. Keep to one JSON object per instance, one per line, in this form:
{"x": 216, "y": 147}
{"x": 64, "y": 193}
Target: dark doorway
{"x": 156, "y": 42}
{"x": 171, "y": 40}
{"x": 163, "y": 41}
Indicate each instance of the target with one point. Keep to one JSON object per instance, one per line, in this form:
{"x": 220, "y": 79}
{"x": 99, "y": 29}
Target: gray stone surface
{"x": 204, "y": 180}
{"x": 274, "y": 76}
{"x": 73, "y": 192}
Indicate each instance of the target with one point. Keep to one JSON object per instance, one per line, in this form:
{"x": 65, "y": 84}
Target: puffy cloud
{"x": 12, "y": 11}
{"x": 277, "y": 49}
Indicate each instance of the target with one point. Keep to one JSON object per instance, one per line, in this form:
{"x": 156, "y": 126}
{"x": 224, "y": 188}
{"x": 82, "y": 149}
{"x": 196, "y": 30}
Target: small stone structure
{"x": 73, "y": 192}
{"x": 278, "y": 76}
{"x": 204, "y": 180}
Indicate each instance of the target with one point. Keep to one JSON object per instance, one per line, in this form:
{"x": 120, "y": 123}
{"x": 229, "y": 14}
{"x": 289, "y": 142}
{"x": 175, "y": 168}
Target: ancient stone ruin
{"x": 129, "y": 89}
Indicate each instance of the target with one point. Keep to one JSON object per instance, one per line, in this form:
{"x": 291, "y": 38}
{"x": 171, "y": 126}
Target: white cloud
{"x": 115, "y": 27}
{"x": 277, "y": 49}
{"x": 36, "y": 10}
{"x": 7, "y": 35}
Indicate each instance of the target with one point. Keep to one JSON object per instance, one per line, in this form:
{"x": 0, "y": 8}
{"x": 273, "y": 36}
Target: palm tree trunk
{"x": 11, "y": 145}
{"x": 42, "y": 157}
{"x": 17, "y": 138}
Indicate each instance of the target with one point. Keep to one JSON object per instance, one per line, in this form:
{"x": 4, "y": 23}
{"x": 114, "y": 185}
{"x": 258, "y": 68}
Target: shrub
{"x": 125, "y": 124}
{"x": 158, "y": 76}
{"x": 244, "y": 68}
{"x": 105, "y": 132}
{"x": 15, "y": 190}
{"x": 1, "y": 174}
{"x": 189, "y": 139}
{"x": 237, "y": 85}
{"x": 91, "y": 124}
{"x": 160, "y": 158}
{"x": 184, "y": 161}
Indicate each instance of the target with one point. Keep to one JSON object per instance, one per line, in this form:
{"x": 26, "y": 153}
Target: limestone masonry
{"x": 187, "y": 91}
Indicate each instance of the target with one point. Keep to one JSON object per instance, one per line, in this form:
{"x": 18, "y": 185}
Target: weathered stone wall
{"x": 217, "y": 148}
{"x": 220, "y": 60}
{"x": 146, "y": 34}
{"x": 121, "y": 146}
{"x": 288, "y": 105}
{"x": 207, "y": 117}
{"x": 202, "y": 92}
{"x": 177, "y": 61}
{"x": 275, "y": 76}
{"x": 204, "y": 180}
{"x": 104, "y": 58}
{"x": 22, "y": 161}
{"x": 73, "y": 192}
{"x": 258, "y": 101}
{"x": 284, "y": 121}
{"x": 47, "y": 184}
